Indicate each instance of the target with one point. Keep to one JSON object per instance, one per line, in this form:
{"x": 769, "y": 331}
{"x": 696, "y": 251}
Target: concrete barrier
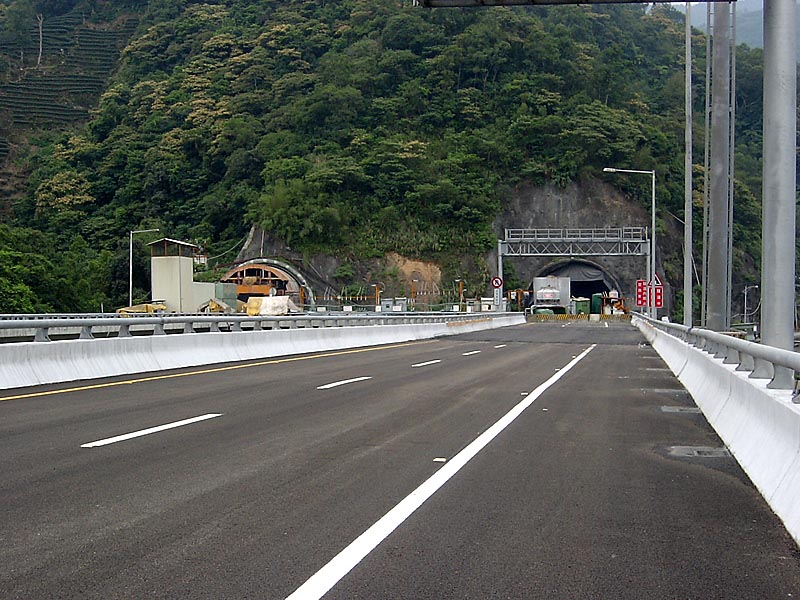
{"x": 674, "y": 351}
{"x": 31, "y": 363}
{"x": 760, "y": 426}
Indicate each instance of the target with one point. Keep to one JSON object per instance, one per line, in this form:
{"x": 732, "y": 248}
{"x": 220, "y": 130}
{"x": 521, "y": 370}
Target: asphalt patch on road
{"x": 681, "y": 410}
{"x": 717, "y": 458}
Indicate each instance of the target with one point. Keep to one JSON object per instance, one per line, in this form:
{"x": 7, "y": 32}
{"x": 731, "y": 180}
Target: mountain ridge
{"x": 354, "y": 129}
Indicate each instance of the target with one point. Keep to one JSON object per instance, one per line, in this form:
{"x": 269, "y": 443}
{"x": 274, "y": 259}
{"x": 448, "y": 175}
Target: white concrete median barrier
{"x": 760, "y": 426}
{"x": 33, "y": 363}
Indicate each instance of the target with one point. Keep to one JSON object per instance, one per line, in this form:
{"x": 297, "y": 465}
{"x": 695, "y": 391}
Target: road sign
{"x": 649, "y": 294}
{"x": 658, "y": 296}
{"x": 641, "y": 292}
{"x": 498, "y": 294}
{"x": 497, "y": 282}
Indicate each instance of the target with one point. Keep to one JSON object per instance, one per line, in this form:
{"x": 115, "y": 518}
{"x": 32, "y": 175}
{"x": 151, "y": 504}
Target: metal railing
{"x": 607, "y": 234}
{"x": 763, "y": 362}
{"x": 40, "y": 328}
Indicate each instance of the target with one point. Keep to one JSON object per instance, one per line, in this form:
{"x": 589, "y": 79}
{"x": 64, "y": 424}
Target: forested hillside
{"x": 353, "y": 128}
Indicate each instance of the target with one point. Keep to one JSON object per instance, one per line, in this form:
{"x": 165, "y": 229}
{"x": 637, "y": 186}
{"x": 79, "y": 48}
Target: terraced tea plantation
{"x": 77, "y": 59}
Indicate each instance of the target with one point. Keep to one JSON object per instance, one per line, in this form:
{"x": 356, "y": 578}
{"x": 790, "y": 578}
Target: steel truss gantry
{"x": 615, "y": 241}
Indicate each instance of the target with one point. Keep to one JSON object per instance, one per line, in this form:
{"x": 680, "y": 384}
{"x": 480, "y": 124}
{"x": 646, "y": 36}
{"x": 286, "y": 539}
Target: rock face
{"x": 397, "y": 275}
{"x": 586, "y": 204}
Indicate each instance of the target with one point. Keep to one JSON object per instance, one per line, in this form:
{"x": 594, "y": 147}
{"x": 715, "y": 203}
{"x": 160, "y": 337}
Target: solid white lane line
{"x": 425, "y": 364}
{"x": 500, "y": 346}
{"x": 328, "y": 386}
{"x": 471, "y": 353}
{"x": 135, "y": 434}
{"x": 340, "y": 565}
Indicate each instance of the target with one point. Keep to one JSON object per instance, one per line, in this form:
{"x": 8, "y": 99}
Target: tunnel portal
{"x": 586, "y": 278}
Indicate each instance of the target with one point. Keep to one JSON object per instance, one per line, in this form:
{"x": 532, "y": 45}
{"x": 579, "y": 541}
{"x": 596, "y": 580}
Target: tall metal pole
{"x": 653, "y": 309}
{"x": 651, "y": 259}
{"x": 706, "y": 169}
{"x": 731, "y": 165}
{"x": 778, "y": 212}
{"x": 717, "y": 295}
{"x": 130, "y": 270}
{"x": 500, "y": 271}
{"x": 130, "y": 262}
{"x": 688, "y": 299}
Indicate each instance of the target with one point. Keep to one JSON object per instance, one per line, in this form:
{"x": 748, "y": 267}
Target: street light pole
{"x": 688, "y": 234}
{"x": 747, "y": 288}
{"x": 130, "y": 262}
{"x": 652, "y": 263}
{"x": 377, "y": 287}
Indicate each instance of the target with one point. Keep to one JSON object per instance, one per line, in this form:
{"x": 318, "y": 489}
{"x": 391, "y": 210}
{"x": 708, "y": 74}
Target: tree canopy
{"x": 357, "y": 127}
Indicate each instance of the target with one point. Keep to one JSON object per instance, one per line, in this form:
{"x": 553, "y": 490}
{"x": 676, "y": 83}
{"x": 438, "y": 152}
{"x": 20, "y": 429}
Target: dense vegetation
{"x": 353, "y": 128}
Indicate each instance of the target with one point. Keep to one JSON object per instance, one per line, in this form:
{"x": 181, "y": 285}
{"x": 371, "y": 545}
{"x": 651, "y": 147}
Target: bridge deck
{"x": 578, "y": 497}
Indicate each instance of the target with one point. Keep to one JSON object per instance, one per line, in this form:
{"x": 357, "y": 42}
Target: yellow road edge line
{"x": 262, "y": 363}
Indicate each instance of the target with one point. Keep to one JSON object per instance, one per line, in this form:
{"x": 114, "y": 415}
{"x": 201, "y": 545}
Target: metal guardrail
{"x": 763, "y": 362}
{"x": 608, "y": 234}
{"x": 85, "y": 326}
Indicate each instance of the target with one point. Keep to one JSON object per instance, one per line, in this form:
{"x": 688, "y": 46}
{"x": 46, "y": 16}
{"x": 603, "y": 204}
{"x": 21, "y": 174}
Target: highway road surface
{"x": 553, "y": 461}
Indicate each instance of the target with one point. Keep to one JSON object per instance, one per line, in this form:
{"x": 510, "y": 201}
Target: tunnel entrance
{"x": 585, "y": 289}
{"x": 585, "y": 278}
{"x": 268, "y": 277}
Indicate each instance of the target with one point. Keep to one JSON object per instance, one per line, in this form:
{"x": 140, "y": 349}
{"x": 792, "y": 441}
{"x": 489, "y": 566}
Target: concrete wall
{"x": 33, "y": 363}
{"x": 202, "y": 292}
{"x": 171, "y": 281}
{"x": 760, "y": 426}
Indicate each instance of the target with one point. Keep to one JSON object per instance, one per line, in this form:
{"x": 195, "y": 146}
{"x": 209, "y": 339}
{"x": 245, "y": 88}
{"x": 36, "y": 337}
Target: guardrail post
{"x": 762, "y": 369}
{"x": 746, "y": 362}
{"x": 214, "y": 326}
{"x": 42, "y": 335}
{"x": 257, "y": 325}
{"x": 783, "y": 379}
{"x": 124, "y": 331}
{"x": 86, "y": 333}
{"x": 158, "y": 329}
{"x": 732, "y": 357}
{"x": 236, "y": 326}
{"x": 188, "y": 327}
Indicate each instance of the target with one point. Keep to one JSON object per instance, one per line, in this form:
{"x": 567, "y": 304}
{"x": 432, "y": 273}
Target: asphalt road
{"x": 466, "y": 484}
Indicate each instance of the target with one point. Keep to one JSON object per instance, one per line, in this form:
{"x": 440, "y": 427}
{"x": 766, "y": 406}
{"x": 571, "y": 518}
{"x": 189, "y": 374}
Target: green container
{"x": 227, "y": 293}
{"x": 597, "y": 304}
{"x": 582, "y": 306}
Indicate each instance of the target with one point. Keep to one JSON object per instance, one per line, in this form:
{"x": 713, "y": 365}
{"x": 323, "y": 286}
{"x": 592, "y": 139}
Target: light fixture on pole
{"x": 377, "y": 287}
{"x": 651, "y": 265}
{"x": 130, "y": 261}
{"x": 747, "y": 288}
{"x": 460, "y": 283}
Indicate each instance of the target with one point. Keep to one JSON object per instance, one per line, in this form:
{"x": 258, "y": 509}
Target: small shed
{"x": 172, "y": 274}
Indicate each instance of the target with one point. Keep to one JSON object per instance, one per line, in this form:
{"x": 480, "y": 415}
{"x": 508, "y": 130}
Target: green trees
{"x": 358, "y": 127}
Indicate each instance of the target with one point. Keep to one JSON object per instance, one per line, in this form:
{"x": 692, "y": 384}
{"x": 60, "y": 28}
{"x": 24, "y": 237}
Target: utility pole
{"x": 688, "y": 295}
{"x": 778, "y": 205}
{"x": 130, "y": 261}
{"x": 718, "y": 295}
